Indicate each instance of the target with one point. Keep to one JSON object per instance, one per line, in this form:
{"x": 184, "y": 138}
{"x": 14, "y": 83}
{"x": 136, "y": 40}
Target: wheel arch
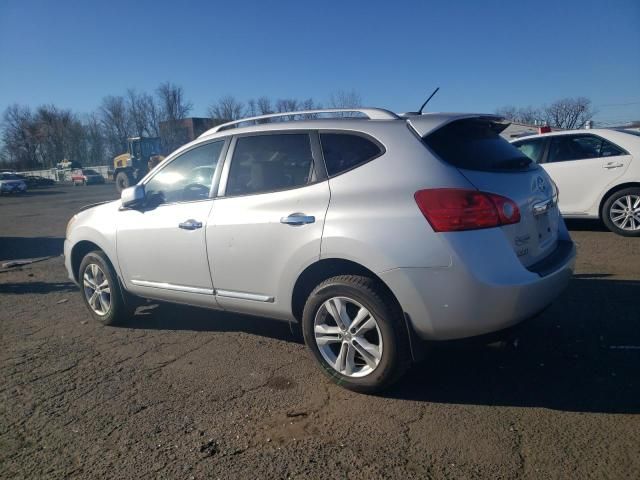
{"x": 79, "y": 251}
{"x": 326, "y": 268}
{"x": 613, "y": 190}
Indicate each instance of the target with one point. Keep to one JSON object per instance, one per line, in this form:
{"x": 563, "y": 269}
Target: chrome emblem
{"x": 539, "y": 185}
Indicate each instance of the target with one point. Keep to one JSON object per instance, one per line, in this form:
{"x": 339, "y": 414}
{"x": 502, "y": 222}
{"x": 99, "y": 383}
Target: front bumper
{"x": 460, "y": 302}
{"x": 67, "y": 261}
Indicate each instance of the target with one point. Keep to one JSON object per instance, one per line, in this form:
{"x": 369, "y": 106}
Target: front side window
{"x": 187, "y": 178}
{"x": 267, "y": 163}
{"x": 344, "y": 151}
{"x": 534, "y": 149}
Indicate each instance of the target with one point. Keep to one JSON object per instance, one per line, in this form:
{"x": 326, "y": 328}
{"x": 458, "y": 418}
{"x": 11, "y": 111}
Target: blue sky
{"x": 483, "y": 54}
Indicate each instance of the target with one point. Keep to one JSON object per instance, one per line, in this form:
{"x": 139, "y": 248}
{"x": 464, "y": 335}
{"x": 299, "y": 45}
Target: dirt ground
{"x": 187, "y": 393}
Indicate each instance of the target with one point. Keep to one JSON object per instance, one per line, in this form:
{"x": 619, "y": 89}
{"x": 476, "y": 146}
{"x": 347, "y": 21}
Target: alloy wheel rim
{"x": 625, "y": 213}
{"x": 97, "y": 290}
{"x": 348, "y": 337}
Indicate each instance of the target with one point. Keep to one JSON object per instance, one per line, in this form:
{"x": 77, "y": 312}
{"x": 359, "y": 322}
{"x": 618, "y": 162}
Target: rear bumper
{"x": 475, "y": 296}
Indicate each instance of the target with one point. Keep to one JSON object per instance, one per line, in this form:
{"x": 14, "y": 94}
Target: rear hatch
{"x": 474, "y": 146}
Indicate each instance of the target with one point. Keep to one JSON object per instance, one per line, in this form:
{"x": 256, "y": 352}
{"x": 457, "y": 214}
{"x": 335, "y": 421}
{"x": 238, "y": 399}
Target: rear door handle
{"x": 190, "y": 224}
{"x": 613, "y": 165}
{"x": 298, "y": 219}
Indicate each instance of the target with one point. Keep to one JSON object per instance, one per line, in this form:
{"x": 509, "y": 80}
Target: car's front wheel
{"x": 101, "y": 291}
{"x": 621, "y": 212}
{"x": 356, "y": 333}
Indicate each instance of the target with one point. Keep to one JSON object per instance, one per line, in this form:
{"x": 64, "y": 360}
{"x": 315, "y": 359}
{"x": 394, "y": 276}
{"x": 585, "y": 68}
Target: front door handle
{"x": 190, "y": 224}
{"x": 613, "y": 165}
{"x": 298, "y": 219}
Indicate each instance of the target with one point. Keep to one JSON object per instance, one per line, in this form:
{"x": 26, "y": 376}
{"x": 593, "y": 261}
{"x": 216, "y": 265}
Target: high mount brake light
{"x": 455, "y": 209}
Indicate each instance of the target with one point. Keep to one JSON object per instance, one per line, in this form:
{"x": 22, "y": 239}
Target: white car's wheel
{"x": 621, "y": 212}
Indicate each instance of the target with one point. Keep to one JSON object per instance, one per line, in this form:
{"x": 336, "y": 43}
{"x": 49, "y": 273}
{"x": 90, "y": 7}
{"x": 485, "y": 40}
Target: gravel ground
{"x": 187, "y": 393}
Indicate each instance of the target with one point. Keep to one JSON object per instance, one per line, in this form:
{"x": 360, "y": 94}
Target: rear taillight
{"x": 454, "y": 209}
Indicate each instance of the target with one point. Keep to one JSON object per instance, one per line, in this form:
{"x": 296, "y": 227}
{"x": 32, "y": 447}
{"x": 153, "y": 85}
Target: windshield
{"x": 9, "y": 176}
{"x": 90, "y": 172}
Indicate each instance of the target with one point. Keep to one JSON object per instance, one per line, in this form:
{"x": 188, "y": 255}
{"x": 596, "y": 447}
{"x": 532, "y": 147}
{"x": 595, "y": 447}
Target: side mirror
{"x": 132, "y": 196}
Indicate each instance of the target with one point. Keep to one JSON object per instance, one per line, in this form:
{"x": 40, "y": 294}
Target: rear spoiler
{"x": 430, "y": 122}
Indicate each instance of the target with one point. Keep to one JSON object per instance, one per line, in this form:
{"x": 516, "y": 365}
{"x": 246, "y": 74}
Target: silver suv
{"x": 373, "y": 230}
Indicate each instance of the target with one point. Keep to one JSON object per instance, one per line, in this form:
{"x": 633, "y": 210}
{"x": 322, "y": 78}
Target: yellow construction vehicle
{"x": 130, "y": 167}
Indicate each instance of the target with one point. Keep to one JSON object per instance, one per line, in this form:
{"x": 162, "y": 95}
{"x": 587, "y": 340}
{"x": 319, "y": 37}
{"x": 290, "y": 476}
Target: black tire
{"x": 121, "y": 307}
{"x": 607, "y": 214}
{"x": 123, "y": 180}
{"x": 396, "y": 354}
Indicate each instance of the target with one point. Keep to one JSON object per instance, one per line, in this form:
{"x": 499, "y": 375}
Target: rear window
{"x": 344, "y": 151}
{"x": 476, "y": 144}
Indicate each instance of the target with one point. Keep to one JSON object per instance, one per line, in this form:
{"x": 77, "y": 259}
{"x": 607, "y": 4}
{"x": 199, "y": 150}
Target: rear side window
{"x": 476, "y": 144}
{"x": 344, "y": 151}
{"x": 266, "y": 163}
{"x": 565, "y": 148}
{"x": 534, "y": 149}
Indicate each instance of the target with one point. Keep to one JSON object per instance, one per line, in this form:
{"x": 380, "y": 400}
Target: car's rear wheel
{"x": 101, "y": 291}
{"x": 356, "y": 333}
{"x": 621, "y": 212}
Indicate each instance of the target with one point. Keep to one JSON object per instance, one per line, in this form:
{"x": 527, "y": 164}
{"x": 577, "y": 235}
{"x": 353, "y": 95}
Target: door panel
{"x": 581, "y": 182}
{"x": 161, "y": 246}
{"x": 253, "y": 251}
{"x": 267, "y": 224}
{"x": 161, "y": 260}
{"x": 583, "y": 166}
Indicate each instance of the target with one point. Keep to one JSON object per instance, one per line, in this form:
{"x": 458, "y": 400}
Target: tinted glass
{"x": 187, "y": 178}
{"x": 265, "y": 163}
{"x": 534, "y": 149}
{"x": 565, "y": 148}
{"x": 476, "y": 144}
{"x": 344, "y": 151}
{"x": 608, "y": 149}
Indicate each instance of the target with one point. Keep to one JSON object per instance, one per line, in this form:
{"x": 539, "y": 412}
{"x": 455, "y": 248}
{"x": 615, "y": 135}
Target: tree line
{"x": 42, "y": 137}
{"x": 567, "y": 113}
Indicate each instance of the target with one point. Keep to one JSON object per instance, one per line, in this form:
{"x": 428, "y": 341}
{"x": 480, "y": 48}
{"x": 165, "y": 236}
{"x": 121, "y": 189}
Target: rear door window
{"x": 344, "y": 151}
{"x": 566, "y": 148}
{"x": 268, "y": 163}
{"x": 476, "y": 144}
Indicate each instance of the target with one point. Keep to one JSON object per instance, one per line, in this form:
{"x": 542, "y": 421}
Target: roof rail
{"x": 370, "y": 113}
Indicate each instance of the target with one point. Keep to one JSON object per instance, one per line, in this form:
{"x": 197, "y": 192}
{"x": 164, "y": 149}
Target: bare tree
{"x": 227, "y": 109}
{"x": 345, "y": 99}
{"x": 173, "y": 108}
{"x": 116, "y": 124}
{"x": 143, "y": 114}
{"x": 18, "y": 137}
{"x": 94, "y": 140}
{"x": 264, "y": 106}
{"x": 528, "y": 115}
{"x": 569, "y": 113}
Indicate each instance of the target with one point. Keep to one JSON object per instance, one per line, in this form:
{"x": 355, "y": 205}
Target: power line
{"x": 618, "y": 104}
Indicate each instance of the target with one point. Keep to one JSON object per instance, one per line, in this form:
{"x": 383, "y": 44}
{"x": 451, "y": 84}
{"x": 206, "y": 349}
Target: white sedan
{"x": 597, "y": 172}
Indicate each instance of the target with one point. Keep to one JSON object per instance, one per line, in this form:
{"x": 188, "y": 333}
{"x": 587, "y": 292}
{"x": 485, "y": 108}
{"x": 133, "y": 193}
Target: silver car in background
{"x": 373, "y": 230}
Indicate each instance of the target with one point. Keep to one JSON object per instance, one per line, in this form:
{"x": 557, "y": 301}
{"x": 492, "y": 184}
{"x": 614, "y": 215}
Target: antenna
{"x": 425, "y": 103}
